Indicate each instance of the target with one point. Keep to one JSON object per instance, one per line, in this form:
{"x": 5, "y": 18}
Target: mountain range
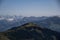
{"x": 7, "y": 22}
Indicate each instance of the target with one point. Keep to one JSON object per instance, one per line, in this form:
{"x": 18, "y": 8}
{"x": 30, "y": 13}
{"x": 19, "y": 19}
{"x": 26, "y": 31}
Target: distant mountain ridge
{"x": 29, "y": 31}
{"x": 52, "y": 23}
{"x": 8, "y": 22}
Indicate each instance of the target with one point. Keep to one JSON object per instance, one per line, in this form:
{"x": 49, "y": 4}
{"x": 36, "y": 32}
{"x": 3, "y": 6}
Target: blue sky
{"x": 29, "y": 7}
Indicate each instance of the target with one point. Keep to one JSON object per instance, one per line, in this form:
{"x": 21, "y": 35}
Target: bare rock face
{"x": 29, "y": 31}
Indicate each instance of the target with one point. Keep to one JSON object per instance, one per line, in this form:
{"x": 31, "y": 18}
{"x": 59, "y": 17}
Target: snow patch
{"x": 10, "y": 19}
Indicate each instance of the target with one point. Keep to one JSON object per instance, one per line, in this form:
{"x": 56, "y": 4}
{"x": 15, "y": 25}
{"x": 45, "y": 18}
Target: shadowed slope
{"x": 29, "y": 31}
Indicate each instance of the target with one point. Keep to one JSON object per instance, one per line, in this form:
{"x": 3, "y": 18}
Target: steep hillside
{"x": 29, "y": 31}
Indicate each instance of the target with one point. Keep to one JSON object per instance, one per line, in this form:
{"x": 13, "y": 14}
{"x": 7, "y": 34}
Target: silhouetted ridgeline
{"x": 29, "y": 31}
